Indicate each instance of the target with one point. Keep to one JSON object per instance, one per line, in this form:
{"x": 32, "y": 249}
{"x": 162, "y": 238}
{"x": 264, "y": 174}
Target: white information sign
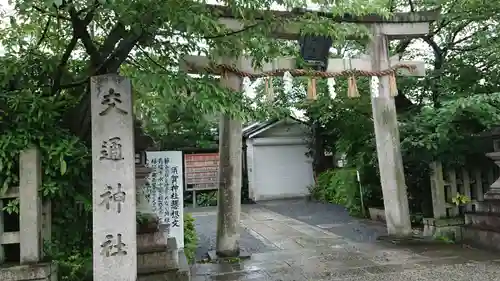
{"x": 164, "y": 190}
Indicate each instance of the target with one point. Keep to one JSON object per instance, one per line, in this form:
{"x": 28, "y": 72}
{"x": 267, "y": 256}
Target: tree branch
{"x": 62, "y": 64}
{"x": 80, "y": 29}
{"x": 484, "y": 28}
{"x": 412, "y": 6}
{"x": 120, "y": 54}
{"x": 401, "y": 47}
{"x": 59, "y": 16}
{"x": 44, "y": 33}
{"x": 115, "y": 35}
{"x": 152, "y": 60}
{"x": 437, "y": 50}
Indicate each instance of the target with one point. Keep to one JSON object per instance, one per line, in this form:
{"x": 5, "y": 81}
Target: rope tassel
{"x": 311, "y": 89}
{"x": 393, "y": 87}
{"x": 352, "y": 88}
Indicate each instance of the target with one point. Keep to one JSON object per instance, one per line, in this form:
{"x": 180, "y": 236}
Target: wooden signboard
{"x": 201, "y": 171}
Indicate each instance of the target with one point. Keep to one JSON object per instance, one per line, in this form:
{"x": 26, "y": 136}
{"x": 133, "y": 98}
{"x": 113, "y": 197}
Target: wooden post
{"x": 2, "y": 252}
{"x": 47, "y": 221}
{"x": 390, "y": 161}
{"x": 437, "y": 189}
{"x": 478, "y": 185}
{"x": 467, "y": 187}
{"x": 30, "y": 181}
{"x": 452, "y": 180}
{"x": 230, "y": 177}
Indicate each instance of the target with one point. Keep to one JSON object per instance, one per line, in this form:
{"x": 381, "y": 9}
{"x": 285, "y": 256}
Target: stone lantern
{"x": 315, "y": 50}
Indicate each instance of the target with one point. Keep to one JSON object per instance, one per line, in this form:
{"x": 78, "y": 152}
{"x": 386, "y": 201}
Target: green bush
{"x": 339, "y": 186}
{"x": 190, "y": 238}
{"x": 207, "y": 198}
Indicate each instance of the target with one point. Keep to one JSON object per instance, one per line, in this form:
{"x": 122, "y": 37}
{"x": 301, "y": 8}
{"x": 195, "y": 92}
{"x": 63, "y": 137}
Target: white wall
{"x": 278, "y": 167}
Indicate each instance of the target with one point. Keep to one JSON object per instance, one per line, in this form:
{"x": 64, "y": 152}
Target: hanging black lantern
{"x": 315, "y": 49}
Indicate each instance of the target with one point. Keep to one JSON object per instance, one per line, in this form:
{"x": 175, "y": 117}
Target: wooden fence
{"x": 34, "y": 217}
{"x": 446, "y": 183}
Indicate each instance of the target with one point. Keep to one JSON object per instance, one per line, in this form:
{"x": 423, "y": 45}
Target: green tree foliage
{"x": 49, "y": 49}
{"x": 442, "y": 115}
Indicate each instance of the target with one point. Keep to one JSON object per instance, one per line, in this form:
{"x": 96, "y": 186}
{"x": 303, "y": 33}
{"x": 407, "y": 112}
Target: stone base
{"x": 159, "y": 258}
{"x": 492, "y": 194}
{"x": 182, "y": 273}
{"x": 481, "y": 237}
{"x": 377, "y": 214}
{"x": 443, "y": 227}
{"x": 38, "y": 272}
{"x": 213, "y": 256}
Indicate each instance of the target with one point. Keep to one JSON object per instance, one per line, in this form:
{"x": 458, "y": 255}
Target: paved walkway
{"x": 290, "y": 240}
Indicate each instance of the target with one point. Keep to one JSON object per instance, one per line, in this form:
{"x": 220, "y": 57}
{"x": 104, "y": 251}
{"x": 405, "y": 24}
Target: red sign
{"x": 201, "y": 171}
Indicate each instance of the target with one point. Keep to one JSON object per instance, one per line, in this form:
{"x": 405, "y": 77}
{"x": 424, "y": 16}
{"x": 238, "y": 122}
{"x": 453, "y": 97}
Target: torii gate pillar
{"x": 230, "y": 176}
{"x": 390, "y": 161}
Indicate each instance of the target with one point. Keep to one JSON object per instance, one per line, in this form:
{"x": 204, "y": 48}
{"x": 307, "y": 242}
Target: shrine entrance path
{"x": 301, "y": 240}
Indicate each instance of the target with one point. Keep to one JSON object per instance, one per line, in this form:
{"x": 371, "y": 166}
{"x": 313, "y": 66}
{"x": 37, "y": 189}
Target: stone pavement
{"x": 301, "y": 246}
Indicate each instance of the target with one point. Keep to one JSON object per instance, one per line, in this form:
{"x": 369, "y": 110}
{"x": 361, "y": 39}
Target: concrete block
{"x": 444, "y": 226}
{"x": 148, "y": 241}
{"x": 157, "y": 261}
{"x": 491, "y": 220}
{"x": 482, "y": 238}
{"x": 244, "y": 254}
{"x": 377, "y": 214}
{"x": 38, "y": 272}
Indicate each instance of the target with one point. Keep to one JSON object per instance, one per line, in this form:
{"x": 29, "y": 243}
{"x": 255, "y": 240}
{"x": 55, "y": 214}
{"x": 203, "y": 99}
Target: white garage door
{"x": 281, "y": 171}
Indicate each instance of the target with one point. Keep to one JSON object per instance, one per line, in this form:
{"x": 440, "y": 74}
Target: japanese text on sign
{"x": 165, "y": 190}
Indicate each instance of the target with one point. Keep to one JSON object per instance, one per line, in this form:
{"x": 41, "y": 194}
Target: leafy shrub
{"x": 190, "y": 237}
{"x": 208, "y": 198}
{"x": 73, "y": 265}
{"x": 339, "y": 186}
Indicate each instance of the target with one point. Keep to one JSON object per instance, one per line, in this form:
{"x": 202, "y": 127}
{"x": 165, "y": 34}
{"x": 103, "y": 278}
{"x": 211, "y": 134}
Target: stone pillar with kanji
{"x": 113, "y": 180}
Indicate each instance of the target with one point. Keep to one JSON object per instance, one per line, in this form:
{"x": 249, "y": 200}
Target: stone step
{"x": 158, "y": 272}
{"x": 161, "y": 276}
{"x": 486, "y": 219}
{"x": 481, "y": 237}
{"x": 489, "y": 206}
{"x": 157, "y": 261}
{"x": 146, "y": 242}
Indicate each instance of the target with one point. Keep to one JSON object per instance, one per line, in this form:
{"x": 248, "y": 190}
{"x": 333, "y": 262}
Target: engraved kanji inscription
{"x": 111, "y": 149}
{"x": 175, "y": 197}
{"x": 110, "y": 196}
{"x": 111, "y": 100}
{"x": 111, "y": 248}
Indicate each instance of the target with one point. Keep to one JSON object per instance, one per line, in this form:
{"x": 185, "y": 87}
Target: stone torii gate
{"x": 398, "y": 26}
